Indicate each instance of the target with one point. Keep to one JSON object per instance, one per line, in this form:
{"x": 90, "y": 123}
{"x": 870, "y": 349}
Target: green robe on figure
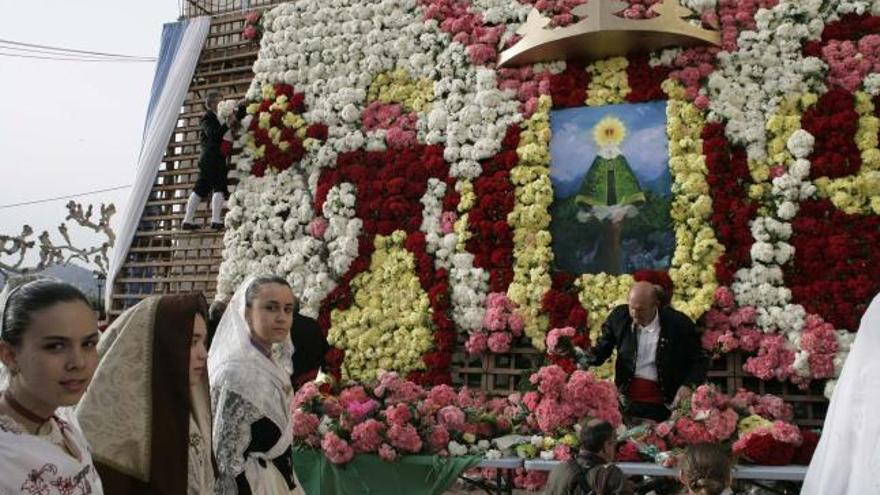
{"x": 609, "y": 182}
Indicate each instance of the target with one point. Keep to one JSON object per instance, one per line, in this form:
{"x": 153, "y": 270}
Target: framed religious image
{"x": 612, "y": 189}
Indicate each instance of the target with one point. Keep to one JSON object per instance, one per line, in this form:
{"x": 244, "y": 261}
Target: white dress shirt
{"x": 646, "y": 359}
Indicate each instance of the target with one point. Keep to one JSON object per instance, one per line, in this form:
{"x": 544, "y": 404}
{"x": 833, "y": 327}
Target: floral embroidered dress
{"x": 55, "y": 461}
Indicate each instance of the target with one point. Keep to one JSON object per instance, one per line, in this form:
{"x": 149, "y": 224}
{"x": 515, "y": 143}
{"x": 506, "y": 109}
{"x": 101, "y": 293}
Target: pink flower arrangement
{"x": 367, "y": 436}
{"x": 530, "y": 480}
{"x": 405, "y": 438}
{"x": 398, "y": 414}
{"x": 387, "y": 453}
{"x": 480, "y": 40}
{"x": 501, "y": 324}
{"x": 400, "y": 128}
{"x": 767, "y": 406}
{"x": 707, "y": 417}
{"x": 850, "y": 62}
{"x": 253, "y": 26}
{"x": 337, "y": 450}
{"x": 452, "y": 418}
{"x": 729, "y": 327}
{"x": 819, "y": 339}
{"x": 562, "y": 400}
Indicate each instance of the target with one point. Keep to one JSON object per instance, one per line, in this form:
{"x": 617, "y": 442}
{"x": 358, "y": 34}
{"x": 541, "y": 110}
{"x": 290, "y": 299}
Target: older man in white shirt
{"x": 659, "y": 357}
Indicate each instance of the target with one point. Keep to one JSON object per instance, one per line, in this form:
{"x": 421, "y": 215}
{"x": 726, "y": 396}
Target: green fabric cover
{"x": 368, "y": 474}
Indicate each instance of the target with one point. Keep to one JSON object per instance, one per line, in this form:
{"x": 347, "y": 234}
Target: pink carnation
{"x": 336, "y": 449}
{"x": 367, "y": 436}
{"x": 405, "y": 438}
{"x": 387, "y": 453}
{"x": 477, "y": 343}
{"x": 442, "y": 395}
{"x": 499, "y": 342}
{"x": 398, "y": 414}
{"x": 451, "y": 417}
{"x": 317, "y": 227}
{"x": 304, "y": 424}
{"x": 555, "y": 336}
{"x": 447, "y": 222}
{"x": 438, "y": 439}
{"x": 562, "y": 452}
{"x": 530, "y": 480}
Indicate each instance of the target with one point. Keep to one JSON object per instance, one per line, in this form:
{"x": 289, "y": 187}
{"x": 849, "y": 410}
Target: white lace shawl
{"x": 235, "y": 365}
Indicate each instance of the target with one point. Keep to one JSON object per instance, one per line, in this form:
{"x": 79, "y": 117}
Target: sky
{"x": 573, "y": 148}
{"x": 70, "y": 127}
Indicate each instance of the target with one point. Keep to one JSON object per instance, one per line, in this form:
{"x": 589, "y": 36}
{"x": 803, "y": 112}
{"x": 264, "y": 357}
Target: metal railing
{"x": 196, "y": 8}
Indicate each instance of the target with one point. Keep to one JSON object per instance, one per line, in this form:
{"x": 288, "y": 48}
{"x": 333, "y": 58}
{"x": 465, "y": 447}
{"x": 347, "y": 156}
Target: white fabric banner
{"x": 181, "y": 46}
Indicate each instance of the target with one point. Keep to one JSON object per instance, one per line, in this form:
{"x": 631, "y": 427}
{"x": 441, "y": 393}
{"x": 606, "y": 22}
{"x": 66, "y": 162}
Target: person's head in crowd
{"x": 705, "y": 469}
{"x": 212, "y": 99}
{"x": 48, "y": 339}
{"x": 269, "y": 309}
{"x": 215, "y": 314}
{"x": 643, "y": 301}
{"x": 598, "y": 437}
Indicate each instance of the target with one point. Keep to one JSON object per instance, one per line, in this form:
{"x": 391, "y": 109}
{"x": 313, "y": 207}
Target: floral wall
{"x": 400, "y": 179}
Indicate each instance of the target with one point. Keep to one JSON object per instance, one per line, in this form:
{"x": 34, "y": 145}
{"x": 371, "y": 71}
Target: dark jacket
{"x": 580, "y": 475}
{"x": 680, "y": 358}
{"x": 212, "y": 161}
{"x": 310, "y": 346}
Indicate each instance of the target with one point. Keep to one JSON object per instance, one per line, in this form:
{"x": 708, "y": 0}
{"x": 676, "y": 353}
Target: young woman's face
{"x": 57, "y": 356}
{"x": 198, "y": 353}
{"x": 270, "y": 315}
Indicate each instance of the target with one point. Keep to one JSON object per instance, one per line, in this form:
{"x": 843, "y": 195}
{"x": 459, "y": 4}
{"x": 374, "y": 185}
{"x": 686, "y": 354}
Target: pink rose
{"x": 451, "y": 417}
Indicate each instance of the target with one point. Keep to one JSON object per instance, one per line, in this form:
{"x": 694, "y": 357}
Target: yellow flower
{"x": 268, "y": 92}
{"x": 609, "y": 83}
{"x": 399, "y": 87}
{"x": 752, "y": 423}
{"x": 379, "y": 332}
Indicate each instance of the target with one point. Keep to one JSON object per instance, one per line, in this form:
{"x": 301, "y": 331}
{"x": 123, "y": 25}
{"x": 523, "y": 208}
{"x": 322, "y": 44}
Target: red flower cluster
{"x": 492, "y": 243}
{"x": 569, "y": 87}
{"x": 837, "y": 268}
{"x": 644, "y": 80}
{"x": 564, "y": 309}
{"x": 834, "y": 122}
{"x": 728, "y": 174}
{"x": 849, "y": 27}
{"x": 389, "y": 186}
{"x": 275, "y": 157}
{"x": 765, "y": 450}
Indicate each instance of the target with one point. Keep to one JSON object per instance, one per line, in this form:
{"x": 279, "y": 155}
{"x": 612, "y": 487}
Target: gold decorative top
{"x": 601, "y": 33}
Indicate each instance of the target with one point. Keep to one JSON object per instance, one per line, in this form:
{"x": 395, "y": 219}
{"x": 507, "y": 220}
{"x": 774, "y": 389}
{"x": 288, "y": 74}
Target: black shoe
{"x": 188, "y": 226}
{"x": 217, "y": 226}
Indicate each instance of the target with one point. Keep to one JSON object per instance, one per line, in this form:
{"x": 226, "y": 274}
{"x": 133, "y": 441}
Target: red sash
{"x": 645, "y": 391}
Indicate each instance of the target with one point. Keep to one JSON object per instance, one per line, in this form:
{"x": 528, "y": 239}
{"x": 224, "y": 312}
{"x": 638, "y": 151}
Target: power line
{"x": 87, "y": 193}
{"x": 18, "y": 55}
{"x": 69, "y": 54}
{"x": 72, "y": 50}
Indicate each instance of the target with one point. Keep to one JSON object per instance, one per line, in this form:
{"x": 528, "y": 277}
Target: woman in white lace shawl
{"x": 48, "y": 334}
{"x": 847, "y": 459}
{"x": 147, "y": 412}
{"x": 249, "y": 371}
